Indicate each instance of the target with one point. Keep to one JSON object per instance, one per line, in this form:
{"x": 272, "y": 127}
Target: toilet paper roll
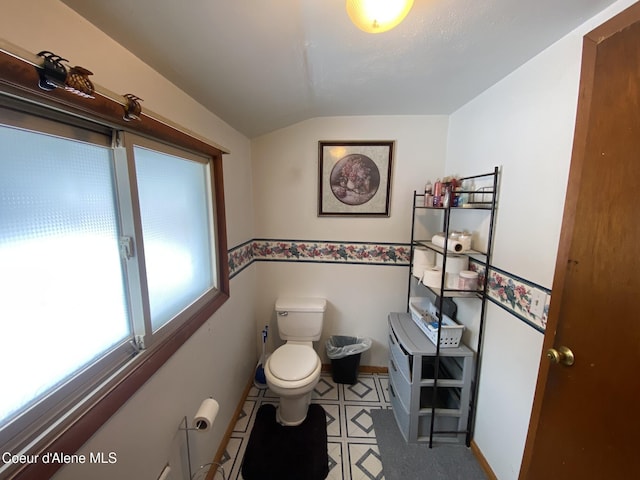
{"x": 419, "y": 268}
{"x": 452, "y": 245}
{"x": 423, "y": 256}
{"x": 452, "y": 280}
{"x": 432, "y": 277}
{"x": 206, "y": 414}
{"x": 455, "y": 263}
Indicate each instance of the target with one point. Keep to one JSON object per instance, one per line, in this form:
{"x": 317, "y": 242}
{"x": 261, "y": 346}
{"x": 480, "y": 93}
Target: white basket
{"x": 423, "y": 313}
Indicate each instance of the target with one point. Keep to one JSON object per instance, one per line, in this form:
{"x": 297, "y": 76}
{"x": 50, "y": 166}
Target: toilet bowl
{"x": 293, "y": 370}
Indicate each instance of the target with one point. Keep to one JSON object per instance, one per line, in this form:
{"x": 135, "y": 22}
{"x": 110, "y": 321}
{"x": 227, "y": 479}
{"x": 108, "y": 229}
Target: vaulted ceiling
{"x": 264, "y": 64}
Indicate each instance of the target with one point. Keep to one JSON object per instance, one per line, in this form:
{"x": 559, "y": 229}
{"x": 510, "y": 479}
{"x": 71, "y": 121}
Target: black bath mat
{"x": 275, "y": 452}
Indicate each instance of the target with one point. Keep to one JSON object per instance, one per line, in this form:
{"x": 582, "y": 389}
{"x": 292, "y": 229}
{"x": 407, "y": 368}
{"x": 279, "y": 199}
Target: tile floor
{"x": 353, "y": 451}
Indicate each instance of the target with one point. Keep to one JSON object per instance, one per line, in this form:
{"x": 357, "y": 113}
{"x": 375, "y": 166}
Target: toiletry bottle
{"x": 455, "y": 187}
{"x": 428, "y": 194}
{"x": 437, "y": 193}
{"x": 456, "y": 197}
{"x": 446, "y": 195}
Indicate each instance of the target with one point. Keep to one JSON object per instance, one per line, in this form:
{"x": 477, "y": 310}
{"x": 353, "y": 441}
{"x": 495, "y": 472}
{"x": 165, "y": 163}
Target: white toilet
{"x": 293, "y": 370}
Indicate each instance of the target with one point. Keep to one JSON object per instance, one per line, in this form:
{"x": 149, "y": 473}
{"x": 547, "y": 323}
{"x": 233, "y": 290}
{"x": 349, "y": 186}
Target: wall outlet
{"x": 538, "y": 301}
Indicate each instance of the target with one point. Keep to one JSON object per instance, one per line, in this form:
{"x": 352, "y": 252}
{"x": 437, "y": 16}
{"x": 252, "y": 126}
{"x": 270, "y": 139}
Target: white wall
{"x": 144, "y": 432}
{"x": 524, "y": 124}
{"x": 285, "y": 169}
{"x": 285, "y": 172}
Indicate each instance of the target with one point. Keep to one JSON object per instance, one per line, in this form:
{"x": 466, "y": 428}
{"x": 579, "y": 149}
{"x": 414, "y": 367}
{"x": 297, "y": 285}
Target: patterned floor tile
{"x": 326, "y": 389}
{"x": 353, "y": 452}
{"x": 232, "y": 458}
{"x": 359, "y": 421}
{"x": 364, "y": 390}
{"x": 255, "y": 392}
{"x": 334, "y": 428}
{"x": 384, "y": 387}
{"x": 336, "y": 468}
{"x": 365, "y": 462}
{"x": 242, "y": 423}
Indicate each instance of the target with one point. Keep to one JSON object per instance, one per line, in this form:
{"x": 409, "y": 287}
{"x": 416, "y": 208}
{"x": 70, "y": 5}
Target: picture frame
{"x": 354, "y": 178}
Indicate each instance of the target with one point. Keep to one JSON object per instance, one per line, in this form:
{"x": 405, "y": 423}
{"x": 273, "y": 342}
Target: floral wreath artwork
{"x": 354, "y": 178}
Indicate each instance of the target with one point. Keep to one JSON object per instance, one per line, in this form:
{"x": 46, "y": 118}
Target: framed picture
{"x": 354, "y": 178}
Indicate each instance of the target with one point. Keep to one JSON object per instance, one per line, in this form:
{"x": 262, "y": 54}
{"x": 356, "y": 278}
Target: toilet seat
{"x": 293, "y": 362}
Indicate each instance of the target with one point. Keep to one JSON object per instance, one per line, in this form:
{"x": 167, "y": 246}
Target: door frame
{"x": 589, "y": 52}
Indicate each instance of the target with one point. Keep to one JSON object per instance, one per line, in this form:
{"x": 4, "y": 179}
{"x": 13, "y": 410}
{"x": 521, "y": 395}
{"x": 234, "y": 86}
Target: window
{"x": 174, "y": 192}
{"x": 112, "y": 249}
{"x": 63, "y": 303}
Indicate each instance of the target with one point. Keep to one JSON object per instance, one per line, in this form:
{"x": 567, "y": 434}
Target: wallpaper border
{"x": 510, "y": 292}
{"x": 514, "y": 294}
{"x": 317, "y": 251}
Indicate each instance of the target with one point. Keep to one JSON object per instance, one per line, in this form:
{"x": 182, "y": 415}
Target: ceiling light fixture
{"x": 377, "y": 16}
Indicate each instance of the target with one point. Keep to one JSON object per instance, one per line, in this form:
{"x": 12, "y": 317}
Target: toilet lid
{"x": 293, "y": 362}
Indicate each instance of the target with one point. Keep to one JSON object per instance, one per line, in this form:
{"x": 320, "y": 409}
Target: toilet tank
{"x": 300, "y": 319}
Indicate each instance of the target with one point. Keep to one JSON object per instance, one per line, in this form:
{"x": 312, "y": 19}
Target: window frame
{"x": 126, "y": 173}
{"x": 19, "y": 79}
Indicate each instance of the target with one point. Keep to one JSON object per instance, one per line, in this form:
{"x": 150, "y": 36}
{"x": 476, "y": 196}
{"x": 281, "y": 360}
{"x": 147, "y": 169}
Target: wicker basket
{"x": 424, "y": 314}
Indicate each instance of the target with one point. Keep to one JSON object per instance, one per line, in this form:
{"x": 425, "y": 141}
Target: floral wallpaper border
{"x": 317, "y": 251}
{"x": 506, "y": 290}
{"x": 513, "y": 293}
{"x": 240, "y": 257}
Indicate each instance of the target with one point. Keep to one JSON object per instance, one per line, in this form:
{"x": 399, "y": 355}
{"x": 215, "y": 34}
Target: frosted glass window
{"x": 108, "y": 263}
{"x": 176, "y": 230}
{"x": 62, "y": 296}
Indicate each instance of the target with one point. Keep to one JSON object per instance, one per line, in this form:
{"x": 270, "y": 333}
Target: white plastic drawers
{"x": 412, "y": 364}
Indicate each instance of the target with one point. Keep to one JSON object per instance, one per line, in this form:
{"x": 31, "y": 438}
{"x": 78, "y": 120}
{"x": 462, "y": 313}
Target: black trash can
{"x": 345, "y": 353}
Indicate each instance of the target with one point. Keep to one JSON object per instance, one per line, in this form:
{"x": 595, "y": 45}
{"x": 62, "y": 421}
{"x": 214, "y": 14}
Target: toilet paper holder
{"x": 202, "y": 421}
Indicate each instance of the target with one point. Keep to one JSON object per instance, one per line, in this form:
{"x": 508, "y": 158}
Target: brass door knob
{"x": 562, "y": 355}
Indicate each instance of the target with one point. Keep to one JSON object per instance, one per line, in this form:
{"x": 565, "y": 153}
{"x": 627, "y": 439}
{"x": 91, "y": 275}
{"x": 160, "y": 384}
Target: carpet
{"x": 275, "y": 452}
{"x": 408, "y": 461}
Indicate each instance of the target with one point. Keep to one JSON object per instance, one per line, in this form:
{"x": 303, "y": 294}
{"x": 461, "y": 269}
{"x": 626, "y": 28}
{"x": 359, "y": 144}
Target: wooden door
{"x": 585, "y": 422}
